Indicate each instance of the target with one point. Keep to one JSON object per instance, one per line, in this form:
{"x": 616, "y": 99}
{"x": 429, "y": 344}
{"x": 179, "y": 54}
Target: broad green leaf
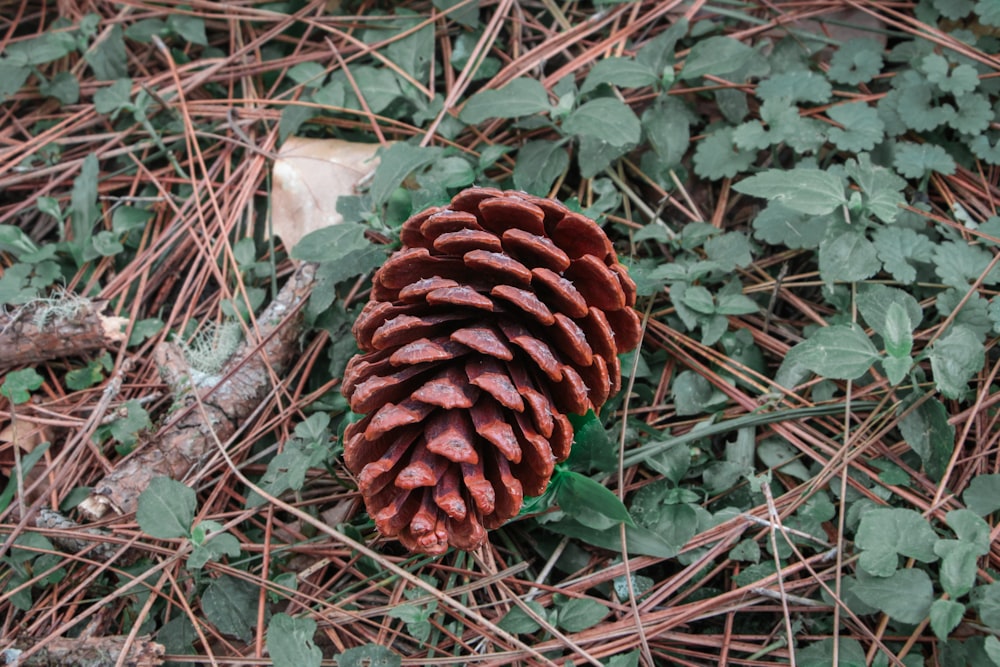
{"x": 958, "y": 567}
{"x": 396, "y": 163}
{"x": 717, "y": 56}
{"x": 518, "y": 622}
{"x": 308, "y": 73}
{"x": 108, "y": 57}
{"x": 848, "y": 257}
{"x": 796, "y": 86}
{"x": 898, "y": 248}
{"x": 369, "y": 655}
{"x": 693, "y": 394}
{"x": 293, "y": 116}
{"x": 290, "y": 642}
{"x": 778, "y": 454}
{"x": 230, "y": 604}
{"x": 127, "y": 428}
{"x": 987, "y": 601}
{"x": 810, "y": 191}
{"x": 190, "y": 28}
{"x": 63, "y": 86}
{"x": 166, "y": 508}
{"x": 975, "y": 113}
{"x": 39, "y": 50}
{"x": 983, "y": 494}
{"x": 839, "y": 352}
{"x": 959, "y": 264}
{"x": 850, "y": 653}
{"x": 958, "y": 81}
{"x": 578, "y": 614}
{"x": 415, "y": 52}
{"x": 945, "y": 617}
{"x": 916, "y": 160}
{"x": 882, "y": 188}
{"x": 606, "y": 119}
{"x": 856, "y": 61}
{"x": 779, "y": 225}
{"x": 18, "y": 385}
{"x": 379, "y": 87}
{"x": 717, "y": 156}
{"x": 520, "y": 97}
{"x": 730, "y": 251}
{"x": 987, "y": 148}
{"x": 617, "y": 71}
{"x": 213, "y": 550}
{"x": 989, "y": 12}
{"x": 580, "y": 497}
{"x": 955, "y": 358}
{"x": 905, "y": 596}
{"x": 970, "y": 528}
{"x": 666, "y": 125}
{"x": 12, "y": 77}
{"x": 658, "y": 53}
{"x": 539, "y": 164}
{"x": 898, "y": 334}
{"x": 894, "y": 531}
{"x": 592, "y": 448}
{"x": 928, "y": 433}
{"x": 861, "y": 128}
{"x": 641, "y": 541}
{"x": 875, "y": 300}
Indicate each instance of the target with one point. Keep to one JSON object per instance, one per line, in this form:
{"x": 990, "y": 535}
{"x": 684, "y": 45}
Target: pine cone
{"x": 502, "y": 313}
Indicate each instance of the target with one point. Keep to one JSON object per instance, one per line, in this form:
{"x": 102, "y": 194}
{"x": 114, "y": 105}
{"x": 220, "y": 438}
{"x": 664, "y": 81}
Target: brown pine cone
{"x": 501, "y": 314}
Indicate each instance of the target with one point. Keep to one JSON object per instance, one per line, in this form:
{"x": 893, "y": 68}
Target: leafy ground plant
{"x": 802, "y": 466}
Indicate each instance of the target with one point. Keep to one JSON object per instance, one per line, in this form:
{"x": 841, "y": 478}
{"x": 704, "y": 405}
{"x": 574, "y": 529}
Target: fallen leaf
{"x": 309, "y": 176}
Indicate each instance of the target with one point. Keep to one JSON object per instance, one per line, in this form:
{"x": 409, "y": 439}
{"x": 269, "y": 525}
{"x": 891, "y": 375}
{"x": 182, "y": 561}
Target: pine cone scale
{"x": 502, "y": 314}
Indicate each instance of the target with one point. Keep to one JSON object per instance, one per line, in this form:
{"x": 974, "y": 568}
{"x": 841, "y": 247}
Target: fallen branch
{"x": 62, "y": 326}
{"x": 89, "y": 652}
{"x": 228, "y": 399}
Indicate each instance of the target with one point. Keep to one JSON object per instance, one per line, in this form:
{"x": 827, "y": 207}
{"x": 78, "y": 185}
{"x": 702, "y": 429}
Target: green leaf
{"x": 579, "y": 496}
{"x": 916, "y": 160}
{"x": 986, "y": 150}
{"x": 959, "y": 567}
{"x": 839, "y": 352}
{"x": 781, "y": 456}
{"x": 592, "y": 448}
{"x": 108, "y": 58}
{"x": 18, "y": 385}
{"x": 883, "y": 189}
{"x": 83, "y": 205}
{"x": 607, "y": 119}
{"x": 899, "y": 248}
{"x": 905, "y": 596}
{"x": 717, "y": 156}
{"x": 520, "y": 97}
{"x": 126, "y": 429}
{"x": 666, "y": 124}
{"x": 974, "y": 114}
{"x": 658, "y": 53}
{"x": 396, "y": 163}
{"x": 63, "y": 86}
{"x": 861, "y": 128}
{"x": 12, "y": 78}
{"x": 945, "y": 617}
{"x": 617, "y": 71}
{"x": 810, "y": 191}
{"x": 641, "y": 541}
{"x": 875, "y": 300}
{"x": 166, "y": 508}
{"x": 848, "y": 257}
{"x": 39, "y": 50}
{"x": 898, "y": 333}
{"x": 213, "y": 550}
{"x": 892, "y": 531}
{"x": 959, "y": 81}
{"x": 579, "y": 614}
{"x": 28, "y": 461}
{"x": 290, "y": 642}
{"x": 716, "y": 56}
{"x": 379, "y": 86}
{"x": 820, "y": 654}
{"x": 516, "y": 621}
{"x": 989, "y": 12}
{"x": 856, "y": 61}
{"x": 539, "y": 164}
{"x": 230, "y": 604}
{"x": 693, "y": 394}
{"x": 959, "y": 264}
{"x": 927, "y": 431}
{"x": 955, "y": 358}
{"x": 191, "y": 28}
{"x": 369, "y": 655}
{"x": 796, "y": 86}
{"x": 308, "y": 73}
{"x": 983, "y": 494}
{"x": 779, "y": 225}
